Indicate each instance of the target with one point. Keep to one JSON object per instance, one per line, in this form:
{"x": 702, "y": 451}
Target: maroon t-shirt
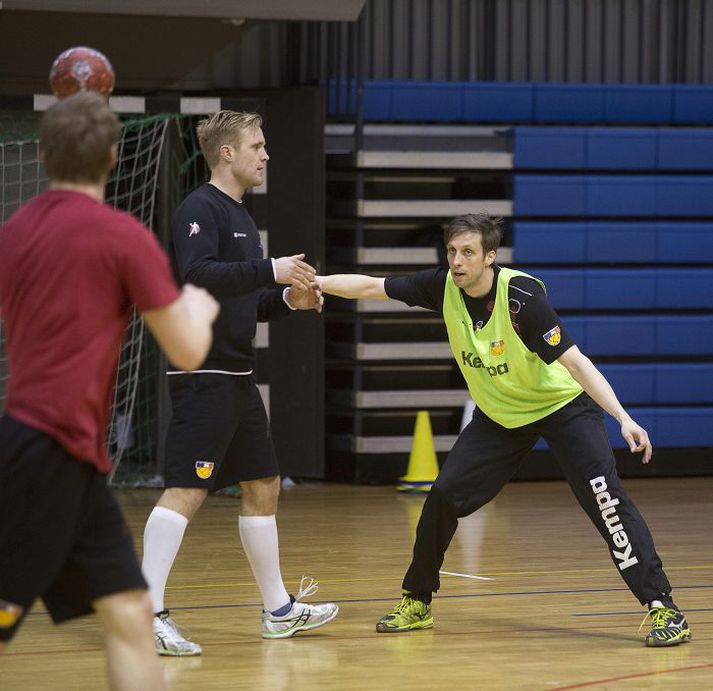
{"x": 70, "y": 270}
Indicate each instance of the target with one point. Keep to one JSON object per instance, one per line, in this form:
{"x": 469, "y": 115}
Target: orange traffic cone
{"x": 422, "y": 463}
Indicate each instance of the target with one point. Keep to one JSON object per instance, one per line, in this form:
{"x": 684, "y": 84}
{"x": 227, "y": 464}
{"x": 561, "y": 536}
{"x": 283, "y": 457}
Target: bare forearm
{"x": 594, "y": 383}
{"x": 353, "y": 286}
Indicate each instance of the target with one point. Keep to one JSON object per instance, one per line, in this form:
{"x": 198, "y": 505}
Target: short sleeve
{"x": 421, "y": 289}
{"x": 146, "y": 273}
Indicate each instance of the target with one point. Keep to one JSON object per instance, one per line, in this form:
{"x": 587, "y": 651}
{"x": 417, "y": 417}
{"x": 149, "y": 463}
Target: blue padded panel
{"x": 568, "y": 102}
{"x": 422, "y": 101}
{"x": 569, "y": 242}
{"x": 641, "y": 289}
{"x": 549, "y": 242}
{"x": 692, "y": 103}
{"x": 549, "y": 195}
{"x": 622, "y": 148}
{"x": 683, "y": 427}
{"x": 609, "y": 195}
{"x": 377, "y": 100}
{"x": 638, "y": 103}
{"x": 621, "y": 242}
{"x": 565, "y": 287}
{"x": 498, "y": 102}
{"x": 630, "y": 335}
{"x": 632, "y": 383}
{"x": 685, "y": 288}
{"x": 549, "y": 147}
{"x": 661, "y": 383}
{"x": 685, "y": 149}
{"x": 684, "y": 242}
{"x": 683, "y": 383}
{"x": 684, "y": 196}
{"x": 668, "y": 427}
{"x": 642, "y": 335}
{"x": 620, "y": 289}
{"x": 684, "y": 335}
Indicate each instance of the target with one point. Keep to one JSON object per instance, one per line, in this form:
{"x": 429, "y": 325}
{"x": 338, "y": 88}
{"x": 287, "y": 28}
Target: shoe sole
{"x": 682, "y": 638}
{"x": 297, "y": 629}
{"x": 170, "y": 653}
{"x": 426, "y": 624}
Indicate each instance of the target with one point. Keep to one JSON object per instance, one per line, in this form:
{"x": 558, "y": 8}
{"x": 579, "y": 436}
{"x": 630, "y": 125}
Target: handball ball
{"x": 81, "y": 69}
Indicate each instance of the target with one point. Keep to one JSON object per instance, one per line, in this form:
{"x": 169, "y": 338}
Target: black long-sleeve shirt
{"x": 216, "y": 245}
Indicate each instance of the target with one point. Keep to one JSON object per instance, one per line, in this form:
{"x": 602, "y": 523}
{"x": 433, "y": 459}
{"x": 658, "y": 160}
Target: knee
{"x": 126, "y": 614}
{"x": 449, "y": 501}
{"x": 183, "y": 500}
{"x": 259, "y": 497}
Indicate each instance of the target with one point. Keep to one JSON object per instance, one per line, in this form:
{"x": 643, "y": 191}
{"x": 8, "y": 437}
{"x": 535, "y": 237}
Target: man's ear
{"x": 113, "y": 156}
{"x": 490, "y": 257}
{"x": 226, "y": 152}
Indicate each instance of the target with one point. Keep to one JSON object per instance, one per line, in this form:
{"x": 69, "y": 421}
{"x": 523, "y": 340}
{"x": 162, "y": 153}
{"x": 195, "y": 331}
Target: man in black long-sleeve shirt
{"x": 219, "y": 434}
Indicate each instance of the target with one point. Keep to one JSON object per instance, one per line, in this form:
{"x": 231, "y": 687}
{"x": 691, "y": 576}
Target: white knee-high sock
{"x": 259, "y": 537}
{"x": 163, "y": 535}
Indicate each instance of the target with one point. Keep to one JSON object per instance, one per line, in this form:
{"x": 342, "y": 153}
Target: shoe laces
{"x": 659, "y": 617}
{"x": 173, "y": 627}
{"x": 405, "y": 605}
{"x": 308, "y": 587}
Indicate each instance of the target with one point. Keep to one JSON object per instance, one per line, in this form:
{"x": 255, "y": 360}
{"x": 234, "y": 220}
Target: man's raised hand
{"x": 293, "y": 271}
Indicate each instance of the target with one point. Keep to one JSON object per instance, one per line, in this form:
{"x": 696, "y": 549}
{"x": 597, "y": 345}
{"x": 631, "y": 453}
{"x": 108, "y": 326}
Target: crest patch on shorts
{"x": 553, "y": 336}
{"x": 9, "y": 614}
{"x": 204, "y": 469}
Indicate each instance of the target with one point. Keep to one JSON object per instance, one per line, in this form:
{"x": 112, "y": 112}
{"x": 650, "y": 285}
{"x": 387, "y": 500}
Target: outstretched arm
{"x": 593, "y": 382}
{"x": 352, "y": 286}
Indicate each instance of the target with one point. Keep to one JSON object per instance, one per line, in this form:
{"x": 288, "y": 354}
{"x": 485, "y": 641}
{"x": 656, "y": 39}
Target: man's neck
{"x": 227, "y": 185}
{"x": 484, "y": 285}
{"x": 93, "y": 190}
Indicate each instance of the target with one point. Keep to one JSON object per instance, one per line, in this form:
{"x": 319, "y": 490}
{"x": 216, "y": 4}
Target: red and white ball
{"x": 81, "y": 69}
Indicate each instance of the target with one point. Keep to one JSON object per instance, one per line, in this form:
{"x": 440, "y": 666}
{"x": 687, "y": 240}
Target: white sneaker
{"x": 168, "y": 638}
{"x": 301, "y": 617}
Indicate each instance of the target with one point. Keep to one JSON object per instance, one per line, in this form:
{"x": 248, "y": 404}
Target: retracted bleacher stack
{"x": 387, "y": 204}
{"x": 606, "y": 190}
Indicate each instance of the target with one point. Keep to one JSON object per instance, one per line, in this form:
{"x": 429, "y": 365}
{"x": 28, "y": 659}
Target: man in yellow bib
{"x": 528, "y": 380}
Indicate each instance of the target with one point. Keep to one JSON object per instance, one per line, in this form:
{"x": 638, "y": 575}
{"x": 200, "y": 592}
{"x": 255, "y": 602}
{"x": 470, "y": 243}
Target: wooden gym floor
{"x": 554, "y": 614}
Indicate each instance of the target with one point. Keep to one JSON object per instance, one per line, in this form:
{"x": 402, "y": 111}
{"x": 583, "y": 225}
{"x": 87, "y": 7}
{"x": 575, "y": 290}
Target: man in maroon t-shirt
{"x": 70, "y": 270}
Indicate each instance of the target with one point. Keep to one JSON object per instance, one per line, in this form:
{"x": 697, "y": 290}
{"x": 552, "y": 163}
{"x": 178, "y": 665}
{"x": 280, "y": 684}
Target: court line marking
{"x": 526, "y": 593}
{"x": 465, "y": 575}
{"x": 614, "y": 614}
{"x": 373, "y": 579}
{"x": 596, "y": 682}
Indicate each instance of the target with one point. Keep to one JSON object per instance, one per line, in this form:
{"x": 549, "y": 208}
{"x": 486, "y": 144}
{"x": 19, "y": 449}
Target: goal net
{"x": 157, "y": 161}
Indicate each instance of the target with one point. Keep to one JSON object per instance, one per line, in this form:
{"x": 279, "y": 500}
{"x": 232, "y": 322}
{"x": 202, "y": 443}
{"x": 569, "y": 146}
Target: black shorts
{"x": 219, "y": 434}
{"x": 63, "y": 537}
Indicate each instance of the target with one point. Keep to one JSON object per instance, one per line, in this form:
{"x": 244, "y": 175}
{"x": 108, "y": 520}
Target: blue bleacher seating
{"x": 577, "y": 103}
{"x": 630, "y": 242}
{"x": 541, "y": 102}
{"x": 642, "y": 335}
{"x": 644, "y": 103}
{"x": 627, "y": 288}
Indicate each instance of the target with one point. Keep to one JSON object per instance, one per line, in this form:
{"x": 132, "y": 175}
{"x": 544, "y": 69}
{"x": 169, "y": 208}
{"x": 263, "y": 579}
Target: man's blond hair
{"x": 224, "y": 127}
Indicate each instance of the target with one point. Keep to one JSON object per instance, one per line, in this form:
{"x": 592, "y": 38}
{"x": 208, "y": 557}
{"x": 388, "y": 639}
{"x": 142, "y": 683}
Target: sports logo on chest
{"x": 497, "y": 347}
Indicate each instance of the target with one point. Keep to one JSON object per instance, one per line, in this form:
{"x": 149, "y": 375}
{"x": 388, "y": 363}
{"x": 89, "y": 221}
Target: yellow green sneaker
{"x": 407, "y": 615}
{"x": 668, "y": 627}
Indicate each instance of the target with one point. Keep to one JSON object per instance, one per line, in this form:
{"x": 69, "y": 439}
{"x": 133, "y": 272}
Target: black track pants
{"x": 486, "y": 455}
